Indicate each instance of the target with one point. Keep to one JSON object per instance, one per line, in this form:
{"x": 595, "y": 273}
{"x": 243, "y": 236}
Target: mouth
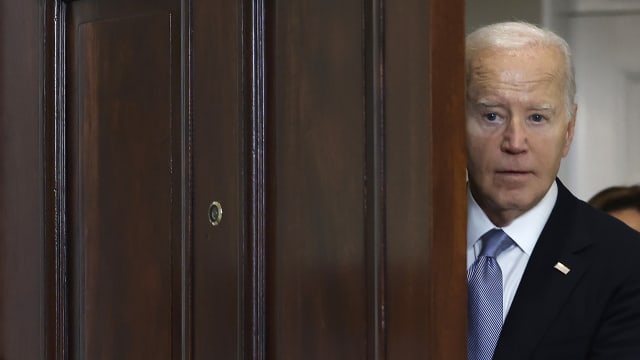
{"x": 513, "y": 173}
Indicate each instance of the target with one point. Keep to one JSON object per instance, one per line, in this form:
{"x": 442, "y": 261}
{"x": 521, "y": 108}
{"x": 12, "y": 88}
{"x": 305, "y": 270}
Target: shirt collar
{"x": 524, "y": 230}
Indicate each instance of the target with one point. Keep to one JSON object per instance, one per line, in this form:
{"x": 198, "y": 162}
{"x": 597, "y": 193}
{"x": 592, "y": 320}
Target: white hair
{"x": 518, "y": 35}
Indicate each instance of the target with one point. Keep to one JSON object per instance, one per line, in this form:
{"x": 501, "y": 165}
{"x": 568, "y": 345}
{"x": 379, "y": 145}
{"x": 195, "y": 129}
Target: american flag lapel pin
{"x": 562, "y": 268}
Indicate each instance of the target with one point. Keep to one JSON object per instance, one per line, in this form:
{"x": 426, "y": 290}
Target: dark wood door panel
{"x": 426, "y": 213}
{"x": 126, "y": 205}
{"x": 219, "y": 174}
{"x": 23, "y": 221}
{"x": 98, "y": 10}
{"x": 318, "y": 304}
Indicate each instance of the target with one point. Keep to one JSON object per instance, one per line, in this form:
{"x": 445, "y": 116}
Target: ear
{"x": 570, "y": 129}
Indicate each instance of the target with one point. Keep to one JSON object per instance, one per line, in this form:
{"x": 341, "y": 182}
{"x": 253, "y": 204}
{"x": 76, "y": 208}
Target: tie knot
{"x": 494, "y": 242}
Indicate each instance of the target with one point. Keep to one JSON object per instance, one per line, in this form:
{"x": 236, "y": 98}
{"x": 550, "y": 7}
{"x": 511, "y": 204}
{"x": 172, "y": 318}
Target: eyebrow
{"x": 489, "y": 103}
{"x": 543, "y": 107}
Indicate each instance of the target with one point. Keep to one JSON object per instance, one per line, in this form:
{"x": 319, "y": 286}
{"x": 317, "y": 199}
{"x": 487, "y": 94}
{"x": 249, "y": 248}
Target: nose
{"x": 514, "y": 138}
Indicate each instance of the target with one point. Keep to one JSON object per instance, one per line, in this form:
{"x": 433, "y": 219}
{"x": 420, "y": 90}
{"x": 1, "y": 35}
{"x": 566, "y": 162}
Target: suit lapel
{"x": 543, "y": 288}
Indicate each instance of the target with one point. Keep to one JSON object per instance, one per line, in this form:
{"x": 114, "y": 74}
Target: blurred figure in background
{"x": 622, "y": 202}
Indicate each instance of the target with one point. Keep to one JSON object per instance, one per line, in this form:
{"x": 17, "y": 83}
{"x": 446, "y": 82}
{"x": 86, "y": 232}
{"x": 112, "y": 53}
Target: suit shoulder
{"x": 606, "y": 229}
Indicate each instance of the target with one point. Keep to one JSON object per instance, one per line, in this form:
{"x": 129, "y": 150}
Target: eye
{"x": 491, "y": 116}
{"x": 537, "y": 118}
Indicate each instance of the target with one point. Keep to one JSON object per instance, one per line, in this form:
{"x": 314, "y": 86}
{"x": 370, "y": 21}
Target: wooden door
{"x": 365, "y": 202}
{"x": 157, "y": 135}
{"x": 329, "y": 131}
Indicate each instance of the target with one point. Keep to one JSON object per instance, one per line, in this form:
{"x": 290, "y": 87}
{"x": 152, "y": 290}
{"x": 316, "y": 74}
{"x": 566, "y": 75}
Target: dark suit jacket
{"x": 592, "y": 312}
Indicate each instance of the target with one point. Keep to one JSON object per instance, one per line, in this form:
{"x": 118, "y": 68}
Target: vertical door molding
{"x": 186, "y": 271}
{"x": 375, "y": 169}
{"x": 255, "y": 63}
{"x": 56, "y": 145}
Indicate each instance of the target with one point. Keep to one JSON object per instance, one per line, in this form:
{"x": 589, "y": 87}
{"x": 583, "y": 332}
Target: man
{"x": 549, "y": 276}
{"x": 621, "y": 202}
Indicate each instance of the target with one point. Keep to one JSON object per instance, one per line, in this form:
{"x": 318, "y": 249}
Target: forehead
{"x": 523, "y": 69}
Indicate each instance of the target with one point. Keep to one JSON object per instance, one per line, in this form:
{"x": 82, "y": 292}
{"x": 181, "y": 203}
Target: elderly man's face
{"x": 517, "y": 128}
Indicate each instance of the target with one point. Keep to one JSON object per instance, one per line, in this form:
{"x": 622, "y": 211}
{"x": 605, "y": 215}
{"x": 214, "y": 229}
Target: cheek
{"x": 474, "y": 137}
{"x": 479, "y": 145}
{"x": 548, "y": 160}
{"x": 549, "y": 145}
{"x": 477, "y": 156}
{"x": 472, "y": 149}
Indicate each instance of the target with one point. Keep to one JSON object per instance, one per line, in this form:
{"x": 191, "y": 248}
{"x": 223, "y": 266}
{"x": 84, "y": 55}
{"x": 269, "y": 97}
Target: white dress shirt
{"x": 524, "y": 231}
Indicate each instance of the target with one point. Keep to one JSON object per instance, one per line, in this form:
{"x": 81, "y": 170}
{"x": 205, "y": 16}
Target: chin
{"x": 512, "y": 202}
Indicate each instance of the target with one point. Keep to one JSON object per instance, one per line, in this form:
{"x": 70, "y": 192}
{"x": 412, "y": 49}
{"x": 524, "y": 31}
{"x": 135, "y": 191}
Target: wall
{"x": 605, "y": 147}
{"x": 480, "y": 13}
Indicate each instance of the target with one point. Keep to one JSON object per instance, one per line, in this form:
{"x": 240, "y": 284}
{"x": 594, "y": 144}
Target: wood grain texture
{"x": 447, "y": 333}
{"x": 317, "y": 303}
{"x": 126, "y": 218}
{"x": 22, "y": 177}
{"x": 380, "y": 192}
{"x": 426, "y": 180}
{"x": 219, "y": 170}
{"x": 331, "y": 132}
{"x": 409, "y": 175}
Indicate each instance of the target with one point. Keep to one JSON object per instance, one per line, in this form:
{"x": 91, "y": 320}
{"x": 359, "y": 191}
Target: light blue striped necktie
{"x": 485, "y": 296}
